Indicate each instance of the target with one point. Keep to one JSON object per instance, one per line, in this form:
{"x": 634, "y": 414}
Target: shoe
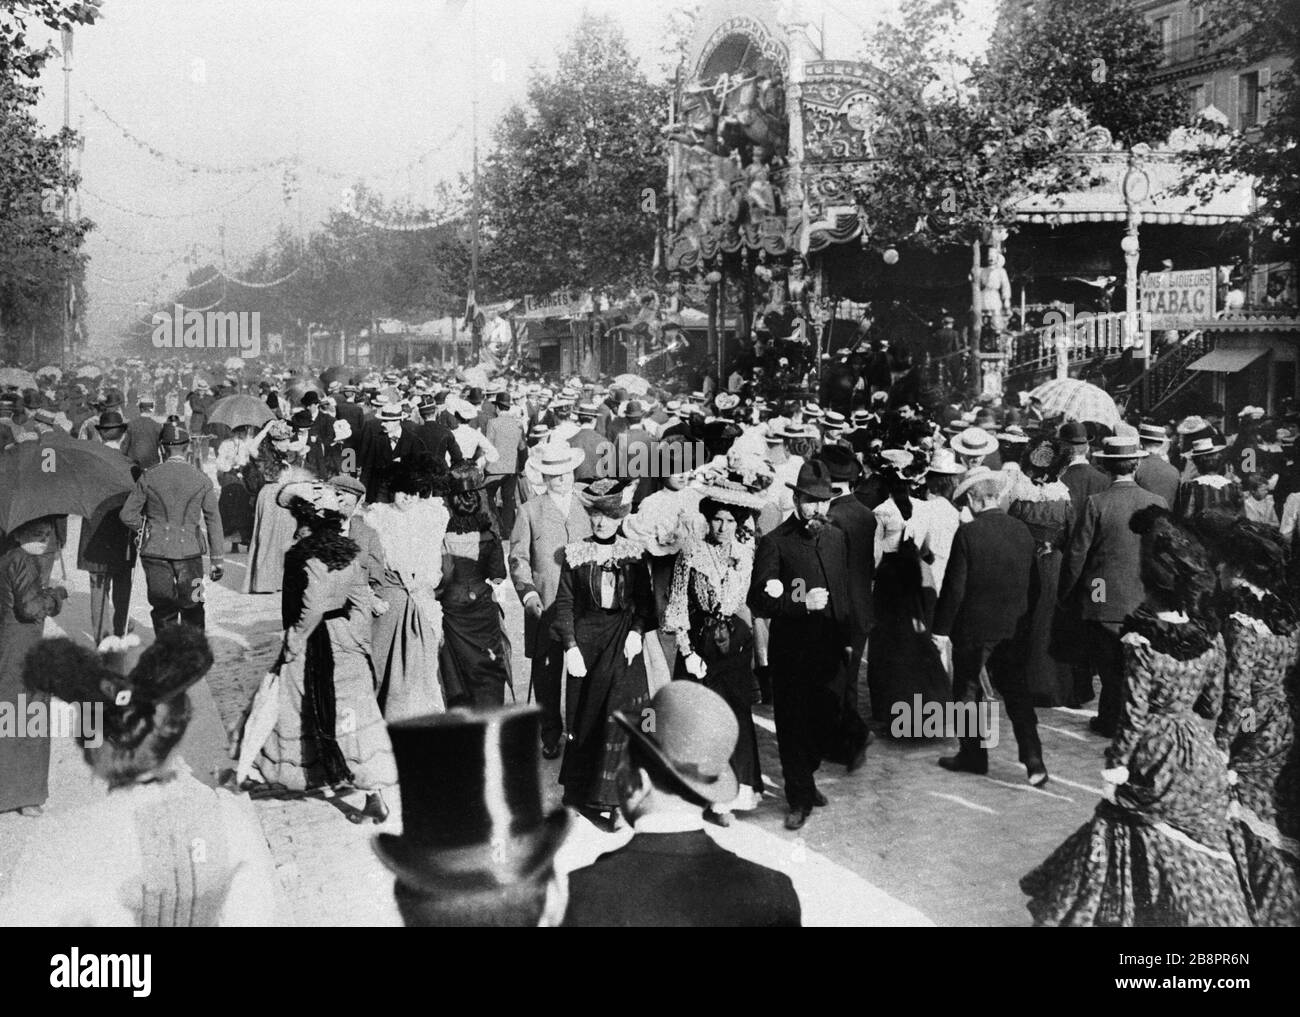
{"x": 32, "y": 811}
{"x": 960, "y": 764}
{"x": 1098, "y": 726}
{"x": 796, "y": 818}
{"x": 551, "y": 751}
{"x": 819, "y": 799}
{"x": 720, "y": 818}
{"x": 1037, "y": 773}
{"x": 375, "y": 810}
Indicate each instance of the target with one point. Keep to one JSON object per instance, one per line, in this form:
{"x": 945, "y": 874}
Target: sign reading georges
{"x": 216, "y": 330}
{"x": 1177, "y": 299}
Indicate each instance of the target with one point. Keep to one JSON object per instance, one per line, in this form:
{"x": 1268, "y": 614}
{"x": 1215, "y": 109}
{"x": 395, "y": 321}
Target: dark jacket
{"x": 801, "y": 562}
{"x": 859, "y": 525}
{"x": 176, "y": 505}
{"x": 441, "y": 443}
{"x": 106, "y": 545}
{"x": 988, "y": 585}
{"x": 140, "y": 443}
{"x": 676, "y": 880}
{"x": 1100, "y": 571}
{"x": 1157, "y": 475}
{"x": 378, "y": 458}
{"x": 1083, "y": 480}
{"x": 593, "y": 444}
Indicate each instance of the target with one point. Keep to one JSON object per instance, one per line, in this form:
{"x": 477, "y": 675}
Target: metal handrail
{"x": 1087, "y": 336}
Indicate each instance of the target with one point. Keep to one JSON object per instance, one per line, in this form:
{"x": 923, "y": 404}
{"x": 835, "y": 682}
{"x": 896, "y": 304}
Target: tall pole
{"x": 66, "y": 345}
{"x": 476, "y": 336}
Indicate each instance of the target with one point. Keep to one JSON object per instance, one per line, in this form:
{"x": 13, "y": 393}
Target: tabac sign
{"x": 1177, "y": 299}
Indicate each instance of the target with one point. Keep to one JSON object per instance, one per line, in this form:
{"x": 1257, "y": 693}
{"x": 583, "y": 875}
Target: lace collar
{"x": 586, "y": 552}
{"x": 1263, "y": 606}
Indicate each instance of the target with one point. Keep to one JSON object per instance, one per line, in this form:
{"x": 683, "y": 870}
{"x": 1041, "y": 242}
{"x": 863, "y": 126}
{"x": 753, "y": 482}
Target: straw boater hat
{"x": 1205, "y": 445}
{"x": 551, "y": 458}
{"x": 1121, "y": 448}
{"x": 943, "y": 461}
{"x": 472, "y": 804}
{"x": 972, "y": 478}
{"x": 726, "y": 401}
{"x": 1152, "y": 432}
{"x": 975, "y": 441}
{"x": 389, "y": 412}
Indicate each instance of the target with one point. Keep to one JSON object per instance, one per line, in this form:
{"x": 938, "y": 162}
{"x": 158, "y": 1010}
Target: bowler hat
{"x": 472, "y": 807}
{"x": 1073, "y": 432}
{"x": 173, "y": 433}
{"x": 691, "y": 742}
{"x": 843, "y": 464}
{"x": 110, "y": 420}
{"x": 814, "y": 481}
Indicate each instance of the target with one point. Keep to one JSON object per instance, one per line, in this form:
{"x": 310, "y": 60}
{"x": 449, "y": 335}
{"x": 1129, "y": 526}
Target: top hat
{"x": 814, "y": 481}
{"x": 843, "y": 464}
{"x": 472, "y": 816}
{"x": 1121, "y": 448}
{"x": 110, "y": 420}
{"x": 695, "y": 733}
{"x": 1073, "y": 432}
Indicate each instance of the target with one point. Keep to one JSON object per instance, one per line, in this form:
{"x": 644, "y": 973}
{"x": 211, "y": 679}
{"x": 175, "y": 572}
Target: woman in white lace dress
{"x": 406, "y": 639}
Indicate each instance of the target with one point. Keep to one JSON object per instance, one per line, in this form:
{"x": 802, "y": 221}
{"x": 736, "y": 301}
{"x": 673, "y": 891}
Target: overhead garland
{"x": 174, "y": 215}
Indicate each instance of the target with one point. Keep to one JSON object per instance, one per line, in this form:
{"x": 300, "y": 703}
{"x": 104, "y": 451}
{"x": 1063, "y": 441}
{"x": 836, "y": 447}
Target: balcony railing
{"x": 1187, "y": 49}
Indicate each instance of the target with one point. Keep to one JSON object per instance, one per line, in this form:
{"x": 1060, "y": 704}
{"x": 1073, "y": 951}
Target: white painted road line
{"x": 1063, "y": 731}
{"x": 765, "y": 724}
{"x": 1028, "y": 787}
{"x": 1082, "y": 787}
{"x": 1073, "y": 712}
{"x": 962, "y": 801}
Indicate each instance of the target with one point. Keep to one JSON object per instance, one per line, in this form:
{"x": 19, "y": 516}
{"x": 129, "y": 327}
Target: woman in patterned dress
{"x": 706, "y": 611}
{"x": 1257, "y": 729}
{"x": 603, "y": 608}
{"x": 1156, "y": 851}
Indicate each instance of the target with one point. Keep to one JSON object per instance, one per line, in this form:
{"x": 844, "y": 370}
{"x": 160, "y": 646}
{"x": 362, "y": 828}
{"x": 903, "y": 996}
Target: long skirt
{"x": 596, "y": 741}
{"x": 273, "y": 530}
{"x": 1051, "y": 681}
{"x": 902, "y": 662}
{"x": 329, "y": 730}
{"x": 404, "y": 647}
{"x": 474, "y": 654}
{"x": 24, "y": 762}
{"x": 236, "y": 507}
{"x": 729, "y": 671}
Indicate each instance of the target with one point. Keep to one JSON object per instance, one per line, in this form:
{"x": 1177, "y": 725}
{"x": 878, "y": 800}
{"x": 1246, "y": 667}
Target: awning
{"x": 1228, "y": 361}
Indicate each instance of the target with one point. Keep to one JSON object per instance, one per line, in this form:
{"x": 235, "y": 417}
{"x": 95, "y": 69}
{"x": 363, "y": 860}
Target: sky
{"x": 377, "y": 90}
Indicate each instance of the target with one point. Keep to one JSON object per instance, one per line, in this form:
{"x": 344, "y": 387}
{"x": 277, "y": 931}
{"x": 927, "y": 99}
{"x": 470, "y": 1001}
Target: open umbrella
{"x": 57, "y": 475}
{"x": 1077, "y": 400}
{"x": 633, "y": 383}
{"x": 240, "y": 411}
{"x": 339, "y": 374}
{"x": 17, "y": 377}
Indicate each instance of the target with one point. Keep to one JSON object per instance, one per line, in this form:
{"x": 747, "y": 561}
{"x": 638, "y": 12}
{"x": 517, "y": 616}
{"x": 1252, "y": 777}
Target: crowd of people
{"x": 764, "y": 549}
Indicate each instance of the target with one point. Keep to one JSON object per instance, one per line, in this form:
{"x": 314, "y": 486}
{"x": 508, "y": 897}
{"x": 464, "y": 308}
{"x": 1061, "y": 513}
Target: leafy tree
{"x": 571, "y": 188}
{"x": 1098, "y": 55}
{"x": 38, "y": 251}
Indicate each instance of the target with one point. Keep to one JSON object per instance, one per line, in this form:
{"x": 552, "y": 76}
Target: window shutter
{"x": 1265, "y": 94}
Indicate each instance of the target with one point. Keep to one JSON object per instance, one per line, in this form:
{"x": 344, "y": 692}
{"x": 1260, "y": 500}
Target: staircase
{"x": 1090, "y": 339}
{"x": 1168, "y": 375}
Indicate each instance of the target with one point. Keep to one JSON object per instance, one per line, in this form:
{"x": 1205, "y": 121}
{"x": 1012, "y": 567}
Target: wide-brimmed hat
{"x": 553, "y": 458}
{"x": 694, "y": 734}
{"x": 791, "y": 430}
{"x": 1205, "y": 445}
{"x": 1126, "y": 447}
{"x": 725, "y": 401}
{"x": 974, "y": 441}
{"x": 609, "y": 496}
{"x": 842, "y": 463}
{"x": 814, "y": 481}
{"x": 315, "y": 492}
{"x": 472, "y": 805}
{"x": 943, "y": 461}
{"x": 973, "y": 477}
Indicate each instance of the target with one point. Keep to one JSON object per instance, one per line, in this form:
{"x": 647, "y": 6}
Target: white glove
{"x": 773, "y": 588}
{"x": 632, "y": 646}
{"x": 533, "y": 603}
{"x": 817, "y": 598}
{"x": 1108, "y": 791}
{"x": 695, "y": 665}
{"x": 574, "y": 662}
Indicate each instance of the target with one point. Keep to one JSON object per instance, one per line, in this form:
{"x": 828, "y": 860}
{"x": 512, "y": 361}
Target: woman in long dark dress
{"x": 1156, "y": 852}
{"x": 603, "y": 607}
{"x": 715, "y": 634}
{"x": 24, "y": 606}
{"x": 1256, "y": 730}
{"x": 1042, "y": 502}
{"x": 473, "y": 656}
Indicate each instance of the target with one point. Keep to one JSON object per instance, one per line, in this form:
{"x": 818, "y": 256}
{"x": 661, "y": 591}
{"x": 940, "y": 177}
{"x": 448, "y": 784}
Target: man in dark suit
{"x": 106, "y": 549}
{"x": 140, "y": 443}
{"x": 859, "y": 525}
{"x": 989, "y": 589}
{"x": 1080, "y": 476}
{"x": 437, "y": 439}
{"x": 672, "y": 873}
{"x": 387, "y": 441}
{"x": 1100, "y": 571}
{"x": 596, "y": 448}
{"x": 1155, "y": 473}
{"x": 355, "y": 415}
{"x": 634, "y": 453}
{"x": 800, "y": 580}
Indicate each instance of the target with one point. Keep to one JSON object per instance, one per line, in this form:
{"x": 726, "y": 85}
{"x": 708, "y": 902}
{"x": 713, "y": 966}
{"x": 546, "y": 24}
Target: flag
{"x": 472, "y": 313}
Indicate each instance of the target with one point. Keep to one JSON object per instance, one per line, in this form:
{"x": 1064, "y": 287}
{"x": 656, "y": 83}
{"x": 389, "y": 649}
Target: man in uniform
{"x": 171, "y": 507}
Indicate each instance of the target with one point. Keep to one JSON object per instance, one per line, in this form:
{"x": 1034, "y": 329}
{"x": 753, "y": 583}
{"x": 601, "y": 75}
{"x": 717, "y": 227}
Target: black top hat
{"x": 471, "y": 801}
{"x": 110, "y": 420}
{"x": 843, "y": 464}
{"x": 814, "y": 481}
